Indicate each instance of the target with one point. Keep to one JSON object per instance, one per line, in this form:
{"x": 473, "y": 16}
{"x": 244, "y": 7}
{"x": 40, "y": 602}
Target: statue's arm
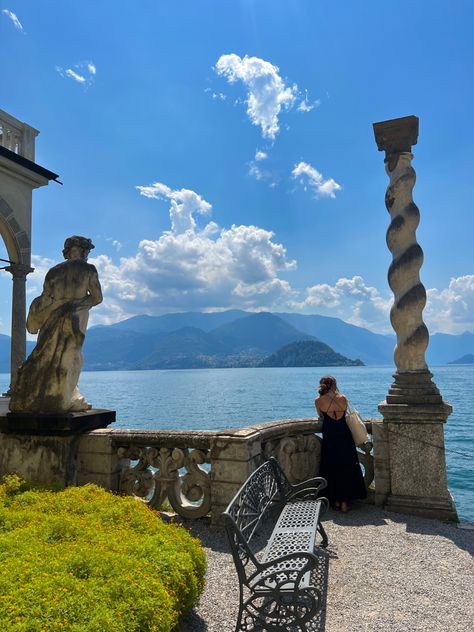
{"x": 40, "y": 309}
{"x": 95, "y": 291}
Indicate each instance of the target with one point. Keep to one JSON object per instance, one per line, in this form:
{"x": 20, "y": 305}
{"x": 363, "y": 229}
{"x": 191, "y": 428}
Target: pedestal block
{"x": 42, "y": 449}
{"x": 415, "y": 441}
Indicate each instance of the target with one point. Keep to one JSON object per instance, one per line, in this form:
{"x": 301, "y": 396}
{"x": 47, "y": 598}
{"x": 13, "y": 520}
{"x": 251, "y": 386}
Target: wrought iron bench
{"x": 278, "y": 591}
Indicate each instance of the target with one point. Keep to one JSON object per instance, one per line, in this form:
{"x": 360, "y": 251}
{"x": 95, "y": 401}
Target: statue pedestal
{"x": 42, "y": 449}
{"x": 56, "y": 425}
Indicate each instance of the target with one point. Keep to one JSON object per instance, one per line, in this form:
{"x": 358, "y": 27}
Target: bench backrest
{"x": 261, "y": 491}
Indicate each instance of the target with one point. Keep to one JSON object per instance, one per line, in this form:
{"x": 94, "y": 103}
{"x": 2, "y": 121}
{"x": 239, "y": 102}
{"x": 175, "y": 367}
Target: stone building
{"x": 19, "y": 175}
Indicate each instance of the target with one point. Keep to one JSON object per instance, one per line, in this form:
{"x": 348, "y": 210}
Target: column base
{"x": 414, "y": 387}
{"x": 437, "y": 508}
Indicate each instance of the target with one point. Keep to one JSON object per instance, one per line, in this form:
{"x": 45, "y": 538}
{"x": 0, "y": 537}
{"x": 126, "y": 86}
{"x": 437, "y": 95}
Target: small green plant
{"x": 84, "y": 560}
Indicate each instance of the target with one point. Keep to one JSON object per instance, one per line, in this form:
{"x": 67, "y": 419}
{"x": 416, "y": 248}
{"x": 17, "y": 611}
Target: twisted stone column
{"x": 412, "y": 377}
{"x": 414, "y": 412}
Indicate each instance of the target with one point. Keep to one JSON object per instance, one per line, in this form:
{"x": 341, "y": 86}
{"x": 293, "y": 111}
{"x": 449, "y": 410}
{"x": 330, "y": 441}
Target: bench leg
{"x": 324, "y": 536}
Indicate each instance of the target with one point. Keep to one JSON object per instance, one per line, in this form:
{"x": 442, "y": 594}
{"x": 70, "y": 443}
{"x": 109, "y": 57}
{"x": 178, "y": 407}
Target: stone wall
{"x": 197, "y": 472}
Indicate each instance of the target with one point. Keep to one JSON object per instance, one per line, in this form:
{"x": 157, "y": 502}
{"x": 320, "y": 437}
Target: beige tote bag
{"x": 356, "y": 426}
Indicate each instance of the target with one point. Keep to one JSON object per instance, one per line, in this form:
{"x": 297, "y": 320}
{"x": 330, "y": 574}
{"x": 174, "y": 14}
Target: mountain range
{"x": 238, "y": 338}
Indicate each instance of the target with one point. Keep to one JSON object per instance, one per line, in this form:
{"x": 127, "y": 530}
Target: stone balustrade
{"x": 198, "y": 472}
{"x": 17, "y": 136}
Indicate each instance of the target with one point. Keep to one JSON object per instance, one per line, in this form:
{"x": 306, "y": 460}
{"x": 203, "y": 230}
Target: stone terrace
{"x": 384, "y": 572}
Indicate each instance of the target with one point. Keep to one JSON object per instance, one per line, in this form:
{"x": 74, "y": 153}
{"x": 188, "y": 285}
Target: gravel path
{"x": 387, "y": 573}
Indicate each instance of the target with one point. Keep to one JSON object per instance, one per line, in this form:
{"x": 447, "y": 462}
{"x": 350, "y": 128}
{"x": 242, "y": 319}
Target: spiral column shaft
{"x": 403, "y": 274}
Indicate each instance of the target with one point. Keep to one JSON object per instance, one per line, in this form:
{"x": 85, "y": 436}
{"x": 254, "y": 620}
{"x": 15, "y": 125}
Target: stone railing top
{"x": 17, "y": 136}
{"x": 204, "y": 439}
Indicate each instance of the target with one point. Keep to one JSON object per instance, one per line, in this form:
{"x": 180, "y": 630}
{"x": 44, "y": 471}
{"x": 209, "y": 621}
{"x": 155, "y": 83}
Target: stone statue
{"x": 47, "y": 381}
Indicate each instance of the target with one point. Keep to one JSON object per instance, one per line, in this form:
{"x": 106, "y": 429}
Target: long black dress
{"x": 339, "y": 462}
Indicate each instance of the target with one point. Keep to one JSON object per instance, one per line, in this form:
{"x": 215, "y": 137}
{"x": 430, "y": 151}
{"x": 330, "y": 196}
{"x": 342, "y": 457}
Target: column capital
{"x": 19, "y": 270}
{"x": 396, "y": 135}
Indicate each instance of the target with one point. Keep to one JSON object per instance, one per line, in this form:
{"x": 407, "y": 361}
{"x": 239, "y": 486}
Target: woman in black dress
{"x": 339, "y": 461}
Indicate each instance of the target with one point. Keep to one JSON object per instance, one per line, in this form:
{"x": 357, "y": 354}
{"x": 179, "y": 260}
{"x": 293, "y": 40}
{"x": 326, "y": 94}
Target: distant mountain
{"x": 262, "y": 332}
{"x": 307, "y": 353}
{"x": 444, "y": 347}
{"x": 347, "y": 339}
{"x": 172, "y": 322}
{"x": 107, "y": 348}
{"x": 236, "y": 338}
{"x": 186, "y": 348}
{"x": 465, "y": 359}
{"x": 243, "y": 342}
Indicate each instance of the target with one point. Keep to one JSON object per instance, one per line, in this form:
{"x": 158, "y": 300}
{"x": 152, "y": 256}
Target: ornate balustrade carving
{"x": 158, "y": 466}
{"x": 198, "y": 472}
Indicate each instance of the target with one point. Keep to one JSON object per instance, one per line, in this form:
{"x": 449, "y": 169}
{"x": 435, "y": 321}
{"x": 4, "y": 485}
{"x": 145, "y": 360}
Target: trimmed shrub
{"x": 84, "y": 560}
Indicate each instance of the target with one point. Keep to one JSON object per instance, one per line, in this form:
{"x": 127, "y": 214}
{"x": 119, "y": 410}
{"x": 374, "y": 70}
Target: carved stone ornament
{"x": 298, "y": 456}
{"x": 168, "y": 473}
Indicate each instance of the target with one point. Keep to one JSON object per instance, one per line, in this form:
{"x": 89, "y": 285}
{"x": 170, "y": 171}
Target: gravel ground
{"x": 384, "y": 572}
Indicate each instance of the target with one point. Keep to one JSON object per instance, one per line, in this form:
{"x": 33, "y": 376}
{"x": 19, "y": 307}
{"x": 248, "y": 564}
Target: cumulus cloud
{"x": 310, "y": 177}
{"x": 451, "y": 309}
{"x": 267, "y": 93}
{"x": 82, "y": 73}
{"x": 215, "y": 268}
{"x": 189, "y": 267}
{"x": 260, "y": 155}
{"x": 184, "y": 203}
{"x": 14, "y": 19}
{"x": 349, "y": 299}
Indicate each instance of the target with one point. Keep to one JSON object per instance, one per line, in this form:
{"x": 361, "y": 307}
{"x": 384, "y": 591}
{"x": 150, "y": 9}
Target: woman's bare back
{"x": 332, "y": 403}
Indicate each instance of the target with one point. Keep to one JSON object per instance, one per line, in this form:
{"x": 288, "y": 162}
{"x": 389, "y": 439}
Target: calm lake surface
{"x": 223, "y": 398}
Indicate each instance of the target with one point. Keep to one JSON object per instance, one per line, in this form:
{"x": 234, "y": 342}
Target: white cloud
{"x": 184, "y": 203}
{"x": 83, "y": 72}
{"x": 189, "y": 267}
{"x": 216, "y": 95}
{"x": 215, "y": 269}
{"x": 260, "y": 155}
{"x": 267, "y": 93}
{"x": 13, "y": 17}
{"x": 451, "y": 309}
{"x": 305, "y": 106}
{"x": 265, "y": 175}
{"x": 309, "y": 176}
{"x": 75, "y": 75}
{"x": 349, "y": 299}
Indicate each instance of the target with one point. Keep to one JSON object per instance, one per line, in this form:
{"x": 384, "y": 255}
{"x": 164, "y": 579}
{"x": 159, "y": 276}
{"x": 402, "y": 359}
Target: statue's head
{"x": 77, "y": 247}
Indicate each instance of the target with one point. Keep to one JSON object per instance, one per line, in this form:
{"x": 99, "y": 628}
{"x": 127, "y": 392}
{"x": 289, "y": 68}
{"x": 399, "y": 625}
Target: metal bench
{"x": 277, "y": 593}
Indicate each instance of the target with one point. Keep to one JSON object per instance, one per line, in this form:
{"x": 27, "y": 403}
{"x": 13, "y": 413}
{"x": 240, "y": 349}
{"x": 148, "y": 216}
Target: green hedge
{"x": 83, "y": 560}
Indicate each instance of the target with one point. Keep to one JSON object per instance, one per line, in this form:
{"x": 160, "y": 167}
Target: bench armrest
{"x": 317, "y": 481}
{"x": 307, "y": 489}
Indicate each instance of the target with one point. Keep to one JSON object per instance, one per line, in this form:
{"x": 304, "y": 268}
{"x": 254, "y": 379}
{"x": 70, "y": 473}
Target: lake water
{"x": 223, "y": 398}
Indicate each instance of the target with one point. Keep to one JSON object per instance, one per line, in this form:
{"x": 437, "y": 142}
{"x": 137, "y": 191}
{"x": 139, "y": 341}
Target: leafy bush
{"x": 84, "y": 560}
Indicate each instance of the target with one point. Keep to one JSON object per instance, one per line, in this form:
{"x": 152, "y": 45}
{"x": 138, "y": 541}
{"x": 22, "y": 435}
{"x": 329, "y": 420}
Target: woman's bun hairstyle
{"x": 327, "y": 383}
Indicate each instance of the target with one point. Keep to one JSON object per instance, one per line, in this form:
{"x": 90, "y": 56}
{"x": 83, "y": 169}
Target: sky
{"x": 221, "y": 154}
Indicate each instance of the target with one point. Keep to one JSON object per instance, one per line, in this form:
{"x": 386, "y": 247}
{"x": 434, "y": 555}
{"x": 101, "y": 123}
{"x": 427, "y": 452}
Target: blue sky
{"x": 253, "y": 119}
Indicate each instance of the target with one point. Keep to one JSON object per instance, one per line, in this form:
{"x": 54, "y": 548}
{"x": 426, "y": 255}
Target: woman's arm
{"x": 318, "y": 410}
